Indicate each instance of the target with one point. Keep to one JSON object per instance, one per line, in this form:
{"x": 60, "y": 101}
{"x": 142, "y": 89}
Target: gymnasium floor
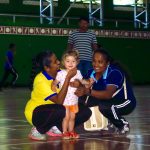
{"x": 14, "y": 128}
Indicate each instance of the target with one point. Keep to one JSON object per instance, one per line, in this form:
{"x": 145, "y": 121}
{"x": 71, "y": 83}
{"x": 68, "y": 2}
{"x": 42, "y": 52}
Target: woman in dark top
{"x": 111, "y": 90}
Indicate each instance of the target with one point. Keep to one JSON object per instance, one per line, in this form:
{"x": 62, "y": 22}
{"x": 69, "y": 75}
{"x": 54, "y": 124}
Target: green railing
{"x": 19, "y": 19}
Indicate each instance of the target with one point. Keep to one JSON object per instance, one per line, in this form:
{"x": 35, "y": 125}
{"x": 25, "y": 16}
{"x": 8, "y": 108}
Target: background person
{"x": 9, "y": 67}
{"x": 85, "y": 42}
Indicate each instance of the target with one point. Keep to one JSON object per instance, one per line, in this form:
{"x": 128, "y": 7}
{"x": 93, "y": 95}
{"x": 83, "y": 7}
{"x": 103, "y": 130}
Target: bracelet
{"x": 89, "y": 93}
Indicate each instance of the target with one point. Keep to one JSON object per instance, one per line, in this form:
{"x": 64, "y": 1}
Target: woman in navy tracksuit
{"x": 111, "y": 90}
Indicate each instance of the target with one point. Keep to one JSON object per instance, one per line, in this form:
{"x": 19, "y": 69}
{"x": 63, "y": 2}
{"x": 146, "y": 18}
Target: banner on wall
{"x": 4, "y": 1}
{"x": 14, "y": 30}
{"x": 37, "y": 3}
{"x": 79, "y": 4}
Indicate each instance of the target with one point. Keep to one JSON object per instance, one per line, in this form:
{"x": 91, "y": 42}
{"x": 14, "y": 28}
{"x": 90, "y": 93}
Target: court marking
{"x": 7, "y": 128}
{"x": 81, "y": 139}
{"x": 128, "y": 136}
{"x": 135, "y": 136}
{"x": 142, "y": 96}
{"x": 131, "y": 136}
{"x": 18, "y": 148}
{"x": 118, "y": 141}
{"x": 17, "y": 120}
{"x": 14, "y": 126}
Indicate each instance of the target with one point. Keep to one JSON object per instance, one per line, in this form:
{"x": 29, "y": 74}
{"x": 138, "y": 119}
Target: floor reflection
{"x": 83, "y": 144}
{"x": 15, "y": 129}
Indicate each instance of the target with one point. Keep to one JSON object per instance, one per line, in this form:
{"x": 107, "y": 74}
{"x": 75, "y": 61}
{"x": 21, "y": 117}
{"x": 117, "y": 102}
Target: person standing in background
{"x": 85, "y": 42}
{"x": 8, "y": 66}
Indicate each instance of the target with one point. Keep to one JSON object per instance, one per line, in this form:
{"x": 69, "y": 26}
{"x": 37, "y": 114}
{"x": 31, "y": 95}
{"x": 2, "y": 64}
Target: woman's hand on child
{"x": 81, "y": 91}
{"x": 91, "y": 81}
{"x": 54, "y": 86}
{"x": 76, "y": 83}
{"x": 88, "y": 82}
{"x": 71, "y": 73}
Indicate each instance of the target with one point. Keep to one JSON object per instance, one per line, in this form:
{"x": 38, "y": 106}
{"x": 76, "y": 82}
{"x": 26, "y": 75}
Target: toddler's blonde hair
{"x": 73, "y": 53}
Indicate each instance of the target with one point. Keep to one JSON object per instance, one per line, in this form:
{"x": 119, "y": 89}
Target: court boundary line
{"x": 17, "y": 120}
{"x": 83, "y": 138}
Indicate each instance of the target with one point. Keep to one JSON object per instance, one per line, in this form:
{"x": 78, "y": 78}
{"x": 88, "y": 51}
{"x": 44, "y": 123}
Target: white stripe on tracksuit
{"x": 119, "y": 106}
{"x": 123, "y": 104}
{"x": 114, "y": 113}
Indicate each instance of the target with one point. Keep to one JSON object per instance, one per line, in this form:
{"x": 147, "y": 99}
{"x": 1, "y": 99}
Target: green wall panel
{"x": 132, "y": 53}
{"x": 28, "y": 47}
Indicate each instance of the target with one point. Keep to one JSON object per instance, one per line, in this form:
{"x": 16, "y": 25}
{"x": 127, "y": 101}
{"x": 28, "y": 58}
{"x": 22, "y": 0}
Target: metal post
{"x": 143, "y": 11}
{"x": 46, "y": 5}
{"x": 146, "y": 14}
{"x": 14, "y": 18}
{"x": 92, "y": 12}
{"x": 41, "y": 8}
{"x": 102, "y": 12}
{"x": 116, "y": 24}
{"x": 135, "y": 12}
{"x": 51, "y": 12}
{"x": 67, "y": 21}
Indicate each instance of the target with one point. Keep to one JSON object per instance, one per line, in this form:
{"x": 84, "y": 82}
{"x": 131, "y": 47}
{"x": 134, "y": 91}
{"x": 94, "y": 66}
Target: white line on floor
{"x": 82, "y": 139}
{"x": 13, "y": 120}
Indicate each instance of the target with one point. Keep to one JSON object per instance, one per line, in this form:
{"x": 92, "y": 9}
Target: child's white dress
{"x": 71, "y": 98}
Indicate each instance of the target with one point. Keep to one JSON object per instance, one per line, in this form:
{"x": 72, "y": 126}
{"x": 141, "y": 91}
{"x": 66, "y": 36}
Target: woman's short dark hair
{"x": 38, "y": 63}
{"x": 84, "y": 18}
{"x": 109, "y": 59}
{"x": 42, "y": 59}
{"x": 107, "y": 56}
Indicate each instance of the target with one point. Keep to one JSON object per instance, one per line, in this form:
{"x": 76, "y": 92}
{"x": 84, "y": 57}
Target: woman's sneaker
{"x": 54, "y": 131}
{"x": 35, "y": 135}
{"x": 66, "y": 135}
{"x": 74, "y": 135}
{"x": 111, "y": 128}
{"x": 124, "y": 130}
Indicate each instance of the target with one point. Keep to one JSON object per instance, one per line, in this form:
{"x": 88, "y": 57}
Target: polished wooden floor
{"x": 14, "y": 128}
